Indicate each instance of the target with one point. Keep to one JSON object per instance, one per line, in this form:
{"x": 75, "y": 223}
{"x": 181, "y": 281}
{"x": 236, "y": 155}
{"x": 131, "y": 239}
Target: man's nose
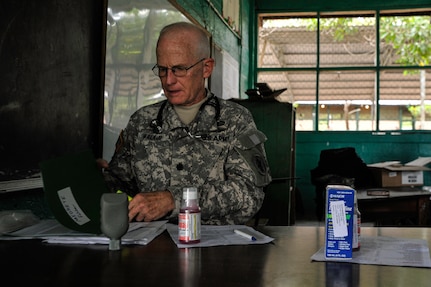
{"x": 170, "y": 77}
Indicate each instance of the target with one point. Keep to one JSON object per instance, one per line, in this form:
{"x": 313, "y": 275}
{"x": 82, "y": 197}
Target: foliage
{"x": 409, "y": 36}
{"x": 415, "y": 111}
{"x": 337, "y": 27}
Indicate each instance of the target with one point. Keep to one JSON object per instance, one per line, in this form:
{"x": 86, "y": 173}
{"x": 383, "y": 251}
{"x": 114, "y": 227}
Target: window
{"x": 231, "y": 12}
{"x": 364, "y": 71}
{"x": 131, "y": 36}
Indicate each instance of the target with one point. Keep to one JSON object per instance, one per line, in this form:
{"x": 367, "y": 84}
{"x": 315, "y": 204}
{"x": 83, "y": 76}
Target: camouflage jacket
{"x": 220, "y": 152}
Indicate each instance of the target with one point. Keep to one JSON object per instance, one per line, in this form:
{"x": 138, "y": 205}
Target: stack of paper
{"x": 51, "y": 231}
{"x": 140, "y": 233}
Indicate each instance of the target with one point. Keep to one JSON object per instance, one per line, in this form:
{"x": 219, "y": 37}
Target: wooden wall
{"x": 51, "y": 55}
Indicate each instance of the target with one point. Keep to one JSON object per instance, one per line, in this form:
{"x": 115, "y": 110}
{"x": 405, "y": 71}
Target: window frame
{"x": 377, "y": 68}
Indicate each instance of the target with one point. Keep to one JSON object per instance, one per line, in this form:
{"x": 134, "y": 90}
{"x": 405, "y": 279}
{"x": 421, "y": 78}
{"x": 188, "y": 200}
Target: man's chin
{"x": 175, "y": 100}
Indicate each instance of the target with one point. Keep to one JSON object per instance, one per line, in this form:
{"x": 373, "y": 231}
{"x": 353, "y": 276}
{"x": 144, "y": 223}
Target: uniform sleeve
{"x": 239, "y": 196}
{"x": 119, "y": 176}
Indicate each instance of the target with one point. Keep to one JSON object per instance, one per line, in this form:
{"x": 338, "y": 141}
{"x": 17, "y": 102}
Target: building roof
{"x": 346, "y": 68}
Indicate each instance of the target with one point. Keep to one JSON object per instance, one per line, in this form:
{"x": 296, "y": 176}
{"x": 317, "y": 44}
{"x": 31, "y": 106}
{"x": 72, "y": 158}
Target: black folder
{"x": 73, "y": 185}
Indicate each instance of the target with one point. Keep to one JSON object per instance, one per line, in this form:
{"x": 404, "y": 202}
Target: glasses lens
{"x": 179, "y": 71}
{"x": 160, "y": 71}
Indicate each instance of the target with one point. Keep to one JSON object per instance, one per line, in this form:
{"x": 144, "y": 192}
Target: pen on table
{"x": 245, "y": 235}
{"x": 128, "y": 196}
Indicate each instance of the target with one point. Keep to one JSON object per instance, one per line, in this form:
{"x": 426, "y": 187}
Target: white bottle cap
{"x": 190, "y": 193}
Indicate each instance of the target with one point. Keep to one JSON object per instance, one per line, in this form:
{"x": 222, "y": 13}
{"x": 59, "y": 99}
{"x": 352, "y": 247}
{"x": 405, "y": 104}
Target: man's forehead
{"x": 174, "y": 54}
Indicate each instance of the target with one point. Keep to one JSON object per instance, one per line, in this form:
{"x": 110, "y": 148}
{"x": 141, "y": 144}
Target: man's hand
{"x": 149, "y": 206}
{"x": 102, "y": 163}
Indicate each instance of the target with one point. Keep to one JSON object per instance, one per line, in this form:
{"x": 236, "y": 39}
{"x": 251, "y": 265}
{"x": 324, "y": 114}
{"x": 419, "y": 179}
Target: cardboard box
{"x": 395, "y": 174}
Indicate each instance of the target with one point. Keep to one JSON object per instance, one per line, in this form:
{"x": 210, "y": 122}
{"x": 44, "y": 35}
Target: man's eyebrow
{"x": 174, "y": 66}
{"x": 179, "y": 66}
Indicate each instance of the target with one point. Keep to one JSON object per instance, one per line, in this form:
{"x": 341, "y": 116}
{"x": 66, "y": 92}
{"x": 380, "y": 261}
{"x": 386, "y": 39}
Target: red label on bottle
{"x": 189, "y": 227}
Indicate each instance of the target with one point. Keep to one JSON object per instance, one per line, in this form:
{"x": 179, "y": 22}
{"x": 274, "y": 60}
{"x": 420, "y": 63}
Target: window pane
{"x": 405, "y": 40}
{"x": 347, "y": 42}
{"x": 405, "y": 99}
{"x": 346, "y": 100}
{"x": 301, "y": 90}
{"x": 131, "y": 35}
{"x": 346, "y": 85}
{"x": 287, "y": 43}
{"x": 301, "y": 86}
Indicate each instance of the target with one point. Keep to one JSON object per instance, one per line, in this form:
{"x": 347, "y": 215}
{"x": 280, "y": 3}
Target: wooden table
{"x": 402, "y": 207}
{"x": 285, "y": 262}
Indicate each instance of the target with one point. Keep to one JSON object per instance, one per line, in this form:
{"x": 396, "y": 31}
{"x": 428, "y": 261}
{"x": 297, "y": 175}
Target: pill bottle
{"x": 189, "y": 218}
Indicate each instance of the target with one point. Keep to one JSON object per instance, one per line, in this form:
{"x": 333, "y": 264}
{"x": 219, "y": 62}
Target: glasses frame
{"x": 175, "y": 69}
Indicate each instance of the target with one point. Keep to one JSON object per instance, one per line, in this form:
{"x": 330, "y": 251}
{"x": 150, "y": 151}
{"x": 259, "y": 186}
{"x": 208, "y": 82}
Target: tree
{"x": 410, "y": 39}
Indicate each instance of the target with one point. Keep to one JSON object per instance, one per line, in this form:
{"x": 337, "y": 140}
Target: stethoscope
{"x": 156, "y": 124}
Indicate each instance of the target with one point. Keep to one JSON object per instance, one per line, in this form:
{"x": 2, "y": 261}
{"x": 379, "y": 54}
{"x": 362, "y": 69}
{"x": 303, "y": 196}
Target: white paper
{"x": 71, "y": 206}
{"x": 216, "y": 235}
{"x": 383, "y": 250}
{"x": 412, "y": 177}
{"x": 51, "y": 231}
{"x": 339, "y": 223}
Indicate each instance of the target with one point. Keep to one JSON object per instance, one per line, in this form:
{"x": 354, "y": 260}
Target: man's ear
{"x": 208, "y": 67}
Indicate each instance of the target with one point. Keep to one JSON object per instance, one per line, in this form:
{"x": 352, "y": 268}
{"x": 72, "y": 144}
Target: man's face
{"x": 177, "y": 51}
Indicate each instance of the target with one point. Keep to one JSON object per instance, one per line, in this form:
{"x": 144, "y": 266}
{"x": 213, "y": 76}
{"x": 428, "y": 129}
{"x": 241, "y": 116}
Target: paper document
{"x": 215, "y": 235}
{"x": 51, "y": 231}
{"x": 382, "y": 250}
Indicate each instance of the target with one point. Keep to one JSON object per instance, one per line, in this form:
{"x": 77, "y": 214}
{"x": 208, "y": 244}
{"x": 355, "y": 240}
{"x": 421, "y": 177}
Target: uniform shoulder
{"x": 149, "y": 110}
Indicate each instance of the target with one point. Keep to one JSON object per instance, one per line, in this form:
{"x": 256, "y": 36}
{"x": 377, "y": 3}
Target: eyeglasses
{"x": 178, "y": 71}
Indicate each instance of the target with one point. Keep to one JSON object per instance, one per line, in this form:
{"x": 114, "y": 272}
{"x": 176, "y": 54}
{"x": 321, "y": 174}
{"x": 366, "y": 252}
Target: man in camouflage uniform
{"x": 191, "y": 139}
